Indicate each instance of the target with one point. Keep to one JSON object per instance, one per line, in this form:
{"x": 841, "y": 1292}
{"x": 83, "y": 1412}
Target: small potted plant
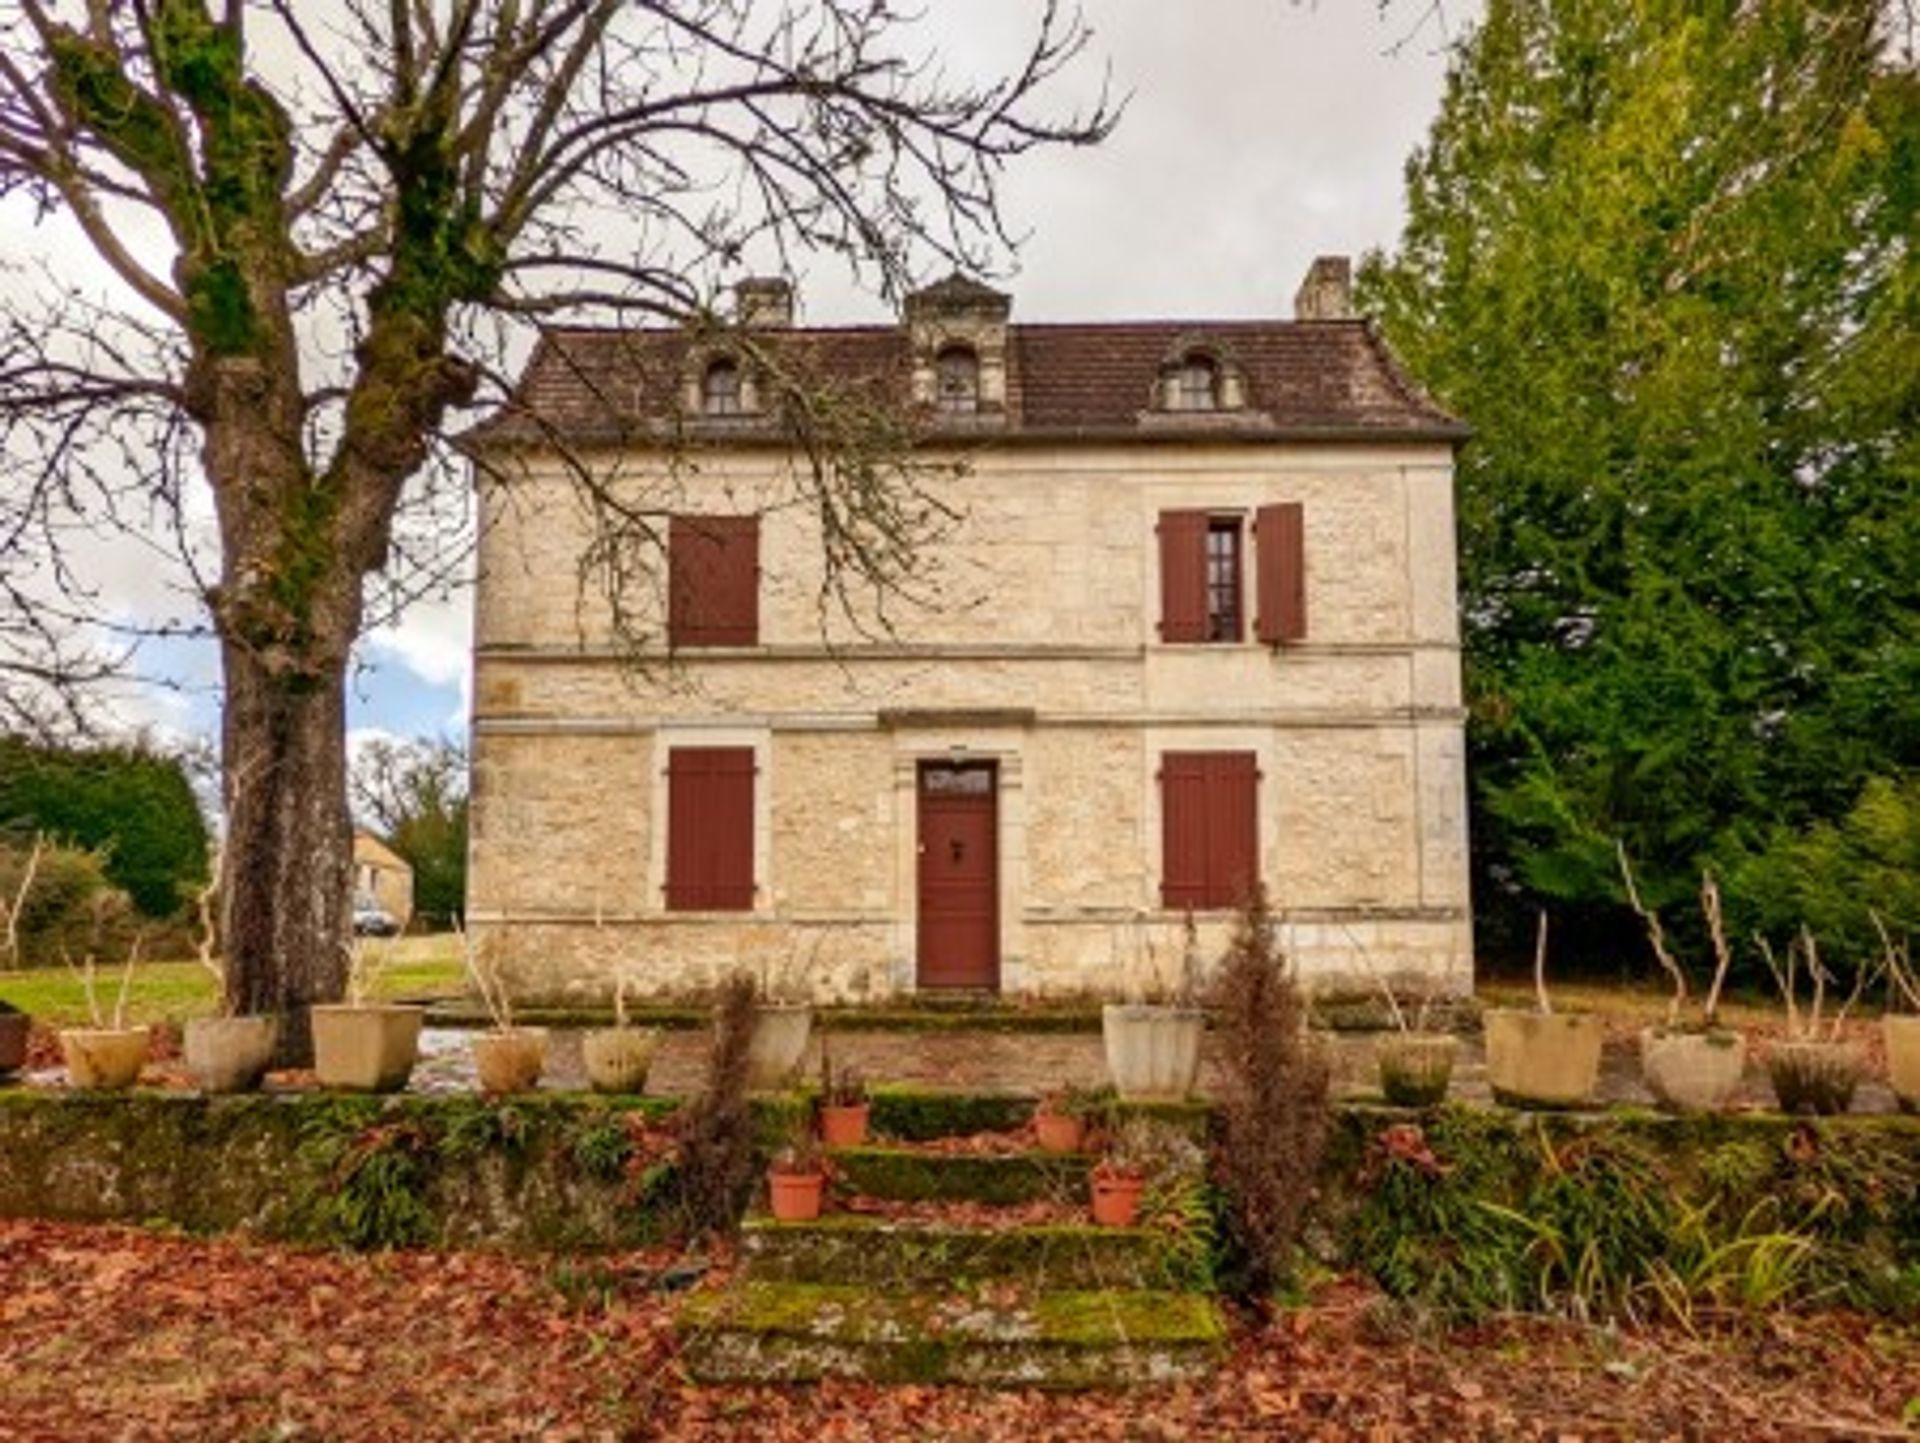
{"x": 1689, "y": 1068}
{"x": 1060, "y": 1118}
{"x": 844, "y": 1104}
{"x": 360, "y": 1045}
{"x": 1814, "y": 1070}
{"x": 618, "y": 1058}
{"x": 1542, "y": 1058}
{"x": 1902, "y": 1030}
{"x": 797, "y": 1178}
{"x": 227, "y": 1053}
{"x": 1416, "y": 1065}
{"x": 1153, "y": 1039}
{"x": 110, "y": 1054}
{"x": 1141, "y": 1155}
{"x": 507, "y": 1058}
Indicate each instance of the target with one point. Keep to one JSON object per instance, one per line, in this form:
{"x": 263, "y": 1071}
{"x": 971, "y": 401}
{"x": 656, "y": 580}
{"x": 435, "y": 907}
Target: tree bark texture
{"x": 289, "y": 849}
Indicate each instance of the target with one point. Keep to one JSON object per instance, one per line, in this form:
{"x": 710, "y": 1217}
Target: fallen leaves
{"x": 108, "y": 1333}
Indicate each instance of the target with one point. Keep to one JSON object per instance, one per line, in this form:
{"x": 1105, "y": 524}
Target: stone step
{"x": 881, "y": 1253}
{"x": 905, "y": 1175}
{"x": 803, "y": 1332}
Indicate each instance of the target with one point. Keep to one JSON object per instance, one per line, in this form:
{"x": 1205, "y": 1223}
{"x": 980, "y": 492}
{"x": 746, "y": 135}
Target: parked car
{"x": 370, "y": 919}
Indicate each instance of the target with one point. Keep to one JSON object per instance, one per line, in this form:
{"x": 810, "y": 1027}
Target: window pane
{"x": 957, "y": 380}
{"x": 720, "y": 395}
{"x": 1223, "y": 580}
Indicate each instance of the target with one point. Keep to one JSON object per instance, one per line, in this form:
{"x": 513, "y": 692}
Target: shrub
{"x": 1273, "y": 1103}
{"x": 717, "y": 1167}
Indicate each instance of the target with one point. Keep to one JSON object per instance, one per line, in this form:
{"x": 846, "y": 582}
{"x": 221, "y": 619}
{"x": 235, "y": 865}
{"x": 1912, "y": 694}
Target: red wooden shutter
{"x": 1183, "y": 830}
{"x": 1233, "y": 835}
{"x": 710, "y": 829}
{"x": 1209, "y": 825}
{"x": 1183, "y": 575}
{"x": 1280, "y": 539}
{"x": 713, "y": 581}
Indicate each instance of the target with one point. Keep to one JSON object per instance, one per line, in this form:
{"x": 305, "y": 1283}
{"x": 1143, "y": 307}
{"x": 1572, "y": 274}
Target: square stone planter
{"x": 365, "y": 1048}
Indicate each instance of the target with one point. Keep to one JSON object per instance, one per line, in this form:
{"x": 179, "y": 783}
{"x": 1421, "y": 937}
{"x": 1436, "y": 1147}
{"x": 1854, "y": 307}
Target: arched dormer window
{"x": 720, "y": 389}
{"x": 1196, "y": 385}
{"x": 956, "y": 372}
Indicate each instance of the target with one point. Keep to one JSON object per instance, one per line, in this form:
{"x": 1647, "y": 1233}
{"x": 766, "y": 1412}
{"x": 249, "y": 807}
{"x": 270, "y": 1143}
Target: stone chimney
{"x": 1327, "y": 292}
{"x": 765, "y": 302}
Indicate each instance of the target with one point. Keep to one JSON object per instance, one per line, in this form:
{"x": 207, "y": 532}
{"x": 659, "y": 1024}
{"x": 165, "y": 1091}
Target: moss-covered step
{"x": 880, "y": 1253}
{"x": 803, "y": 1332}
{"x": 904, "y": 1175}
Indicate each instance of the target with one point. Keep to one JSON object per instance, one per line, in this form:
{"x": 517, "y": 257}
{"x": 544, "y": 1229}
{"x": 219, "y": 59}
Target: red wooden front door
{"x": 959, "y": 875}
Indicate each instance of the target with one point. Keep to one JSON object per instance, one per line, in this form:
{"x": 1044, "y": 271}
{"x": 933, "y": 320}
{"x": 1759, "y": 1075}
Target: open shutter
{"x": 1183, "y": 830}
{"x": 1233, "y": 837}
{"x": 1280, "y": 541}
{"x": 1183, "y": 575}
{"x": 710, "y": 829}
{"x": 713, "y": 581}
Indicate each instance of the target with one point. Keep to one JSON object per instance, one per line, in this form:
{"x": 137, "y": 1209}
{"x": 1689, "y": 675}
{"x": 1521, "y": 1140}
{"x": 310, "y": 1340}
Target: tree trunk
{"x": 289, "y": 847}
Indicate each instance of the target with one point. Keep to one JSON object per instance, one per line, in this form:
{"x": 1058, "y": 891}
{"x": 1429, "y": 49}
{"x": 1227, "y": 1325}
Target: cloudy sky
{"x": 1258, "y": 134}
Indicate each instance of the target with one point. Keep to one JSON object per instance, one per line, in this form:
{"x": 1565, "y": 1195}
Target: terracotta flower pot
{"x": 1693, "y": 1071}
{"x": 1116, "y": 1199}
{"x": 844, "y": 1126}
{"x": 1816, "y": 1077}
{"x": 1060, "y": 1131}
{"x": 618, "y": 1059}
{"x": 365, "y": 1048}
{"x": 510, "y": 1061}
{"x": 1542, "y": 1059}
{"x": 1903, "y": 1059}
{"x": 108, "y": 1058}
{"x": 780, "y": 1032}
{"x": 1152, "y": 1051}
{"x": 14, "y": 1027}
{"x": 230, "y": 1054}
{"x": 795, "y": 1197}
{"x": 1416, "y": 1067}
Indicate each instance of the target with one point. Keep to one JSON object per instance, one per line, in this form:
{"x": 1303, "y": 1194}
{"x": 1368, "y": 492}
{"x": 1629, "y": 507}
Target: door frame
{"x": 991, "y": 766}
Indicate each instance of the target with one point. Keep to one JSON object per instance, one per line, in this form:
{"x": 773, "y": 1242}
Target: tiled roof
{"x": 1302, "y": 378}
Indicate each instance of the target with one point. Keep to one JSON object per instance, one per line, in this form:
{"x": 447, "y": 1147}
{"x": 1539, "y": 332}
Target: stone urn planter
{"x": 1416, "y": 1067}
{"x": 364, "y": 1047}
{"x": 1815, "y": 1077}
{"x": 1152, "y": 1051}
{"x": 617, "y": 1059}
{"x": 1116, "y": 1197}
{"x": 14, "y": 1027}
{"x": 1903, "y": 1058}
{"x": 1693, "y": 1071}
{"x": 1542, "y": 1059}
{"x": 230, "y": 1054}
{"x": 109, "y": 1058}
{"x": 780, "y": 1033}
{"x": 510, "y": 1060}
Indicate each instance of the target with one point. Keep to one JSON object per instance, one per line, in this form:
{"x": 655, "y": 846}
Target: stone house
{"x": 1195, "y": 624}
{"x": 382, "y": 876}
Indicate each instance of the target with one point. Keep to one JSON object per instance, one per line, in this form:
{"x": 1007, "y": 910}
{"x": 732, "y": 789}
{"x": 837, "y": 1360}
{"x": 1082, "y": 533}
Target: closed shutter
{"x": 713, "y": 581}
{"x": 1280, "y": 544}
{"x": 1209, "y": 829}
{"x": 710, "y": 829}
{"x": 1183, "y": 575}
{"x": 1183, "y": 830}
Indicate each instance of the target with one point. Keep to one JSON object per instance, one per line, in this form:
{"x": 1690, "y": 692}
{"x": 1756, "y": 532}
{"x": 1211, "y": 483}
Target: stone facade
{"x": 1041, "y": 654}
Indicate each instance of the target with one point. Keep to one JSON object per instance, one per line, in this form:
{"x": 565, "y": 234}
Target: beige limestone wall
{"x": 1050, "y": 593}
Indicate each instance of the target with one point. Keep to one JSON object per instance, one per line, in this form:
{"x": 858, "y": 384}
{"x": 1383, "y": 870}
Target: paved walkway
{"x": 1030, "y": 1062}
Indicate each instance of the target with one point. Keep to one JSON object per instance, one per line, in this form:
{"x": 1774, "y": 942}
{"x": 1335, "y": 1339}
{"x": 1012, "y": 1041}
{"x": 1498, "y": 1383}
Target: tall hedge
{"x": 130, "y": 803}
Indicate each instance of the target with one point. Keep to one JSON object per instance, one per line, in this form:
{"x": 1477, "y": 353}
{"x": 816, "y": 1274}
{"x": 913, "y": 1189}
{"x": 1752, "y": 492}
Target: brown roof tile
{"x": 1302, "y": 378}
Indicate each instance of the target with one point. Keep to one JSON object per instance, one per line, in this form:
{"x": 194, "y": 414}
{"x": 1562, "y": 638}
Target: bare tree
{"x": 330, "y": 228}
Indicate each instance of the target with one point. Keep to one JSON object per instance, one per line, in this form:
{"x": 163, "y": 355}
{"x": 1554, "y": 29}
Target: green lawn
{"x": 174, "y": 991}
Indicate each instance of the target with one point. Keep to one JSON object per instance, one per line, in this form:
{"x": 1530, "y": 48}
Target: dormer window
{"x": 957, "y": 380}
{"x": 720, "y": 389}
{"x": 1196, "y": 385}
